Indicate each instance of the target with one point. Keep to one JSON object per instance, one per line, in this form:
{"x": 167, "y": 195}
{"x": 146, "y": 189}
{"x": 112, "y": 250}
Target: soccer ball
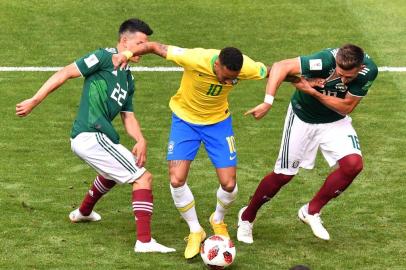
{"x": 217, "y": 252}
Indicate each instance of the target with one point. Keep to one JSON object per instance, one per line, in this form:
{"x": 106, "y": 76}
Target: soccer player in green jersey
{"x": 317, "y": 118}
{"x": 107, "y": 92}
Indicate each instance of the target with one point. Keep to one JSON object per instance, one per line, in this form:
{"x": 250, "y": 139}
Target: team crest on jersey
{"x": 295, "y": 164}
{"x": 171, "y": 146}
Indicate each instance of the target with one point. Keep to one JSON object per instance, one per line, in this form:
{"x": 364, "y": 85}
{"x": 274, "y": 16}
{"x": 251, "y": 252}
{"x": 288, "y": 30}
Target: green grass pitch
{"x": 41, "y": 181}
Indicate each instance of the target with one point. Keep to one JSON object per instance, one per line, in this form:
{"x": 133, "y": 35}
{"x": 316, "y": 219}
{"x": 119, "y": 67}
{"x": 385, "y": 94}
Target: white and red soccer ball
{"x": 217, "y": 252}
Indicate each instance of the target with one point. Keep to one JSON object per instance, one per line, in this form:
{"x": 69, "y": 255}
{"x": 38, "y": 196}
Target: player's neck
{"x": 120, "y": 48}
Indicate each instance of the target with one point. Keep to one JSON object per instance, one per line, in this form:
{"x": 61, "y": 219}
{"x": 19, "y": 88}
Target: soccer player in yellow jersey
{"x": 201, "y": 115}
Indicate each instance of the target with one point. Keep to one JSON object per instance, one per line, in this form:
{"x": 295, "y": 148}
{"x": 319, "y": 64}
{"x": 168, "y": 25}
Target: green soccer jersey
{"x": 321, "y": 65}
{"x": 106, "y": 92}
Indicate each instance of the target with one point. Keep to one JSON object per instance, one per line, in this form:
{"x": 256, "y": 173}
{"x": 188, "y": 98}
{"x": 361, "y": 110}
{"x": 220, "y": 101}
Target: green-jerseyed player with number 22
{"x": 107, "y": 92}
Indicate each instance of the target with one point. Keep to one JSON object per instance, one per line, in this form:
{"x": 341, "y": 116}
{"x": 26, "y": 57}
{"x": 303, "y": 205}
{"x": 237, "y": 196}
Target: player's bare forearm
{"x": 285, "y": 70}
{"x": 132, "y": 126}
{"x": 342, "y": 106}
{"x": 277, "y": 74}
{"x": 292, "y": 79}
{"x": 160, "y": 49}
{"x": 53, "y": 83}
{"x": 151, "y": 47}
{"x": 121, "y": 59}
{"x": 134, "y": 131}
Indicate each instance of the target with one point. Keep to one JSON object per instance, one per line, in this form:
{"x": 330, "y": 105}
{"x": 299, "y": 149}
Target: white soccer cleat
{"x": 151, "y": 246}
{"x": 75, "y": 216}
{"x": 314, "y": 221}
{"x": 244, "y": 231}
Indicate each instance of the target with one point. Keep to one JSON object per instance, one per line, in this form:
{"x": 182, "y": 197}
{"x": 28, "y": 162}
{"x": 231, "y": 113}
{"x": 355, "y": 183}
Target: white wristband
{"x": 268, "y": 99}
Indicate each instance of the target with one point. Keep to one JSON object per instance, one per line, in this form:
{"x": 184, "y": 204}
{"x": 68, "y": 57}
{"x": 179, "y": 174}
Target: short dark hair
{"x": 349, "y": 56}
{"x": 231, "y": 58}
{"x": 134, "y": 25}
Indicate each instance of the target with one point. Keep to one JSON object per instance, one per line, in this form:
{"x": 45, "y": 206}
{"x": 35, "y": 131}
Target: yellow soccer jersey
{"x": 201, "y": 98}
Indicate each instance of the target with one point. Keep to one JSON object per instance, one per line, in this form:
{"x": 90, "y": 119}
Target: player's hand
{"x": 140, "y": 152}
{"x": 316, "y": 82}
{"x": 119, "y": 60}
{"x": 259, "y": 111}
{"x": 25, "y": 107}
{"x": 304, "y": 86}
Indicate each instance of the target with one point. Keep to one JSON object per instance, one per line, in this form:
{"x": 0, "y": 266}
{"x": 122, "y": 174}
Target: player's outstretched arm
{"x": 121, "y": 59}
{"x": 134, "y": 131}
{"x": 25, "y": 107}
{"x": 278, "y": 73}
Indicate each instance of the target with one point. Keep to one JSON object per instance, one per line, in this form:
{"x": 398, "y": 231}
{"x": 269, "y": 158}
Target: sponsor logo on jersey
{"x": 171, "y": 146}
{"x": 232, "y": 157}
{"x": 364, "y": 71}
{"x": 91, "y": 60}
{"x": 111, "y": 50}
{"x": 114, "y": 72}
{"x": 341, "y": 87}
{"x": 315, "y": 64}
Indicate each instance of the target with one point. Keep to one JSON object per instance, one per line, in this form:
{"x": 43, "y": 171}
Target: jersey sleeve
{"x": 91, "y": 62}
{"x": 317, "y": 64}
{"x": 187, "y": 58}
{"x": 252, "y": 70}
{"x": 360, "y": 86}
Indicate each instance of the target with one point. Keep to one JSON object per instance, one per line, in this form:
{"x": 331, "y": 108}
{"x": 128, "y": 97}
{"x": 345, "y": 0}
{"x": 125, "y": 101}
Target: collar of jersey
{"x": 213, "y": 59}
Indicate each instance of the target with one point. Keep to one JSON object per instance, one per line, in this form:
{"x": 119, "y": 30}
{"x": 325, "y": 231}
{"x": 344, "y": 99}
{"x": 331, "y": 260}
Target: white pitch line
{"x": 138, "y": 69}
{"x": 392, "y": 69}
{"x": 153, "y": 69}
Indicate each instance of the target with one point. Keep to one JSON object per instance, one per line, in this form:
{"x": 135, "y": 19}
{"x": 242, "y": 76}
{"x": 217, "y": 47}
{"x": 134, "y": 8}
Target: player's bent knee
{"x": 351, "y": 165}
{"x": 144, "y": 182}
{"x": 282, "y": 179}
{"x": 229, "y": 186}
{"x": 177, "y": 182}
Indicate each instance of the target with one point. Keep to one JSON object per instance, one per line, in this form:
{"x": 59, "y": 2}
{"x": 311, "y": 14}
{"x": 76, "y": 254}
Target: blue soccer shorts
{"x": 218, "y": 139}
